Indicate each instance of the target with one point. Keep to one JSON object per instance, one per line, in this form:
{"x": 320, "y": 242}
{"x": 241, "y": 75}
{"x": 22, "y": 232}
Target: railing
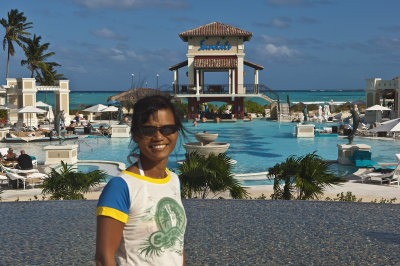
{"x": 221, "y": 89}
{"x": 210, "y": 89}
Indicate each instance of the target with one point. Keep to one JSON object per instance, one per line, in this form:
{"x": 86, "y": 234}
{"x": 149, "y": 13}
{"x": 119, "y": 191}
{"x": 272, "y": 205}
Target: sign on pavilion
{"x": 216, "y": 47}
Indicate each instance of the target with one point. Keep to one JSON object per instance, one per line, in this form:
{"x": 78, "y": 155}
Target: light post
{"x": 132, "y": 80}
{"x": 157, "y": 80}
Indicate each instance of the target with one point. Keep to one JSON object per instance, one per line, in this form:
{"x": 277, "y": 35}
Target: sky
{"x": 302, "y": 44}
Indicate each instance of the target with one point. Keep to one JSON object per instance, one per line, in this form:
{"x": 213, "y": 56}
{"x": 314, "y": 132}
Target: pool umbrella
{"x": 10, "y": 106}
{"x": 387, "y": 126}
{"x": 42, "y": 104}
{"x": 49, "y": 114}
{"x": 110, "y": 109}
{"x": 29, "y": 110}
{"x": 95, "y": 109}
{"x": 378, "y": 108}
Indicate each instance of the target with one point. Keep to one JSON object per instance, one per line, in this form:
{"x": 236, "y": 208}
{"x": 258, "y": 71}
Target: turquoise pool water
{"x": 255, "y": 145}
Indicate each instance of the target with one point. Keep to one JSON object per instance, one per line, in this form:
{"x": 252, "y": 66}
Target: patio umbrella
{"x": 42, "y": 104}
{"x": 95, "y": 109}
{"x": 47, "y": 107}
{"x": 387, "y": 126}
{"x": 110, "y": 109}
{"x": 319, "y": 114}
{"x": 29, "y": 110}
{"x": 10, "y": 106}
{"x": 378, "y": 108}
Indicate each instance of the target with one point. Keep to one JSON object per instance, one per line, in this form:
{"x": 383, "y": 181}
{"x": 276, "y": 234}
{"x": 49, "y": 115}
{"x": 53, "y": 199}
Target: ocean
{"x": 89, "y": 98}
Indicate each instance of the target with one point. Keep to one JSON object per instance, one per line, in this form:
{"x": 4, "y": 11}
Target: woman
{"x": 140, "y": 216}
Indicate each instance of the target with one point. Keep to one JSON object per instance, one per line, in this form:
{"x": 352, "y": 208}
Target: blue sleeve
{"x": 115, "y": 201}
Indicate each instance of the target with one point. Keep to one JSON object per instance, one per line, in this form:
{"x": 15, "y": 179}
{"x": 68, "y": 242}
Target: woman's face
{"x": 158, "y": 147}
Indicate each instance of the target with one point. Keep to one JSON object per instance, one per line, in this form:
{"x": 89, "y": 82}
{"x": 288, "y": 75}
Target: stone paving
{"x": 219, "y": 232}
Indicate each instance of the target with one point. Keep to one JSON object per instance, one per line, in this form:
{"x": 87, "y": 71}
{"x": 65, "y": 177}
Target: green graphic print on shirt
{"x": 171, "y": 220}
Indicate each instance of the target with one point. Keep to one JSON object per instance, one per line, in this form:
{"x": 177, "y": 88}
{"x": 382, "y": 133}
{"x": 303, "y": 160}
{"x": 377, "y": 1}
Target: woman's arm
{"x": 109, "y": 233}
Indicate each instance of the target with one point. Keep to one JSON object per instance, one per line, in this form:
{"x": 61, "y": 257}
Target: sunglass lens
{"x": 149, "y": 131}
{"x": 168, "y": 130}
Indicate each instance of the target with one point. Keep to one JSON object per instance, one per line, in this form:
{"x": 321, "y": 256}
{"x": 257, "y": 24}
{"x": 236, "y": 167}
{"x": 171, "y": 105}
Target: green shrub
{"x": 3, "y": 114}
{"x": 67, "y": 184}
{"x": 253, "y": 107}
{"x": 298, "y": 107}
{"x": 312, "y": 107}
{"x": 201, "y": 175}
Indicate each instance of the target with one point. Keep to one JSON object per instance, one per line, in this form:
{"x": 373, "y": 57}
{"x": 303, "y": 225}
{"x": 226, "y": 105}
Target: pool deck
{"x": 219, "y": 232}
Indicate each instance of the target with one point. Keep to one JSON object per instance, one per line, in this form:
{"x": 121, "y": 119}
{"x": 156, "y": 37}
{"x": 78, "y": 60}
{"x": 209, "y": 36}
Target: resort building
{"x": 21, "y": 92}
{"x": 216, "y": 47}
{"x": 379, "y": 91}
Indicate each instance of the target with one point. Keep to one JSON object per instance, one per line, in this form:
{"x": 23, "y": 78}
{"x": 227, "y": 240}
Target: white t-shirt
{"x": 153, "y": 214}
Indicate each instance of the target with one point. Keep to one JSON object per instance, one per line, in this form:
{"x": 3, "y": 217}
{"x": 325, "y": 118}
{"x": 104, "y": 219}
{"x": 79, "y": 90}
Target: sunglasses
{"x": 166, "y": 130}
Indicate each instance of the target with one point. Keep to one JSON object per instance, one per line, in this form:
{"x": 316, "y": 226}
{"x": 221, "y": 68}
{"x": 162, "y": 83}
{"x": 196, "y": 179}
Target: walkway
{"x": 220, "y": 232}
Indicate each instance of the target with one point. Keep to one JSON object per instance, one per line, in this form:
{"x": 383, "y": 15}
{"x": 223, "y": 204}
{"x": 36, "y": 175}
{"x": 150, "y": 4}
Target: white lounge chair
{"x": 4, "y": 179}
{"x": 391, "y": 178}
{"x": 32, "y": 179}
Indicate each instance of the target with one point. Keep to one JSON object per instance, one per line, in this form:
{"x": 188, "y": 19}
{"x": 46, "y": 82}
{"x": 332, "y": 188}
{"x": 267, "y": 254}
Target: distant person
{"x": 24, "y": 161}
{"x": 11, "y": 156}
{"x": 194, "y": 123}
{"x": 71, "y": 127}
{"x": 77, "y": 117}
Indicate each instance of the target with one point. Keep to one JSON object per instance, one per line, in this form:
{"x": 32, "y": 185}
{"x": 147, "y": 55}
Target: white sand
{"x": 367, "y": 191}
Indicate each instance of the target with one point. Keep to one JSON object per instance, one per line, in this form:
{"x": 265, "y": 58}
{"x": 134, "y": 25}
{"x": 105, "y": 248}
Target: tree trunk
{"x": 8, "y": 63}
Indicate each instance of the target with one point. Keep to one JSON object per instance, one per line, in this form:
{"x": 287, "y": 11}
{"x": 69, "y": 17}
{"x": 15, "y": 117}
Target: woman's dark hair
{"x": 148, "y": 106}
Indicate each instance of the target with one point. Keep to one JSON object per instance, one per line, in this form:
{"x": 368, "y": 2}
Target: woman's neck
{"x": 153, "y": 169}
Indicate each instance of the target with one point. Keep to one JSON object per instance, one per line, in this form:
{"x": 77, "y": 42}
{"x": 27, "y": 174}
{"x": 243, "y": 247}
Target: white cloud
{"x": 133, "y": 4}
{"x": 279, "y": 23}
{"x": 274, "y": 50}
{"x": 108, "y": 34}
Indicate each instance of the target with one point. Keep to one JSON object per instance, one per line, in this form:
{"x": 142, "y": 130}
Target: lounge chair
{"x": 4, "y": 179}
{"x": 32, "y": 179}
{"x": 391, "y": 178}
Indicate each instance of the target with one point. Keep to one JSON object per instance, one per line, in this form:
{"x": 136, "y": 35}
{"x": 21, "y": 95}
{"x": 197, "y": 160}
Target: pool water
{"x": 110, "y": 170}
{"x": 256, "y": 145}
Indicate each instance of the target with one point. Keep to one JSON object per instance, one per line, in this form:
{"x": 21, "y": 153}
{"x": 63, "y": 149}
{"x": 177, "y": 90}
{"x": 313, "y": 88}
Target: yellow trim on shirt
{"x": 113, "y": 213}
{"x": 149, "y": 179}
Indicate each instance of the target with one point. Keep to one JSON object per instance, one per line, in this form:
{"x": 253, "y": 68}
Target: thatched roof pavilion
{"x": 134, "y": 95}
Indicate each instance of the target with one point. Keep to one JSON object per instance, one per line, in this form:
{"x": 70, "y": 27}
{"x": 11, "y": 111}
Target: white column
{"x": 256, "y": 80}
{"x": 197, "y": 82}
{"x": 233, "y": 82}
{"x": 176, "y": 81}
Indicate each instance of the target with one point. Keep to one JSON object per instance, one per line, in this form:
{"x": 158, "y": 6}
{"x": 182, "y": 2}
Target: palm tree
{"x": 16, "y": 27}
{"x": 201, "y": 175}
{"x": 69, "y": 184}
{"x": 306, "y": 175}
{"x": 48, "y": 78}
{"x": 36, "y": 56}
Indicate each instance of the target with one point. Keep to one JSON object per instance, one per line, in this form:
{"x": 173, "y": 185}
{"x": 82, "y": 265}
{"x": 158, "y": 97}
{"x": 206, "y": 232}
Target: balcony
{"x": 216, "y": 89}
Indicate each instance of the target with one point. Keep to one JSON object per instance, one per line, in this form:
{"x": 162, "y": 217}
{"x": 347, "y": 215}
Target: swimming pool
{"x": 255, "y": 145}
